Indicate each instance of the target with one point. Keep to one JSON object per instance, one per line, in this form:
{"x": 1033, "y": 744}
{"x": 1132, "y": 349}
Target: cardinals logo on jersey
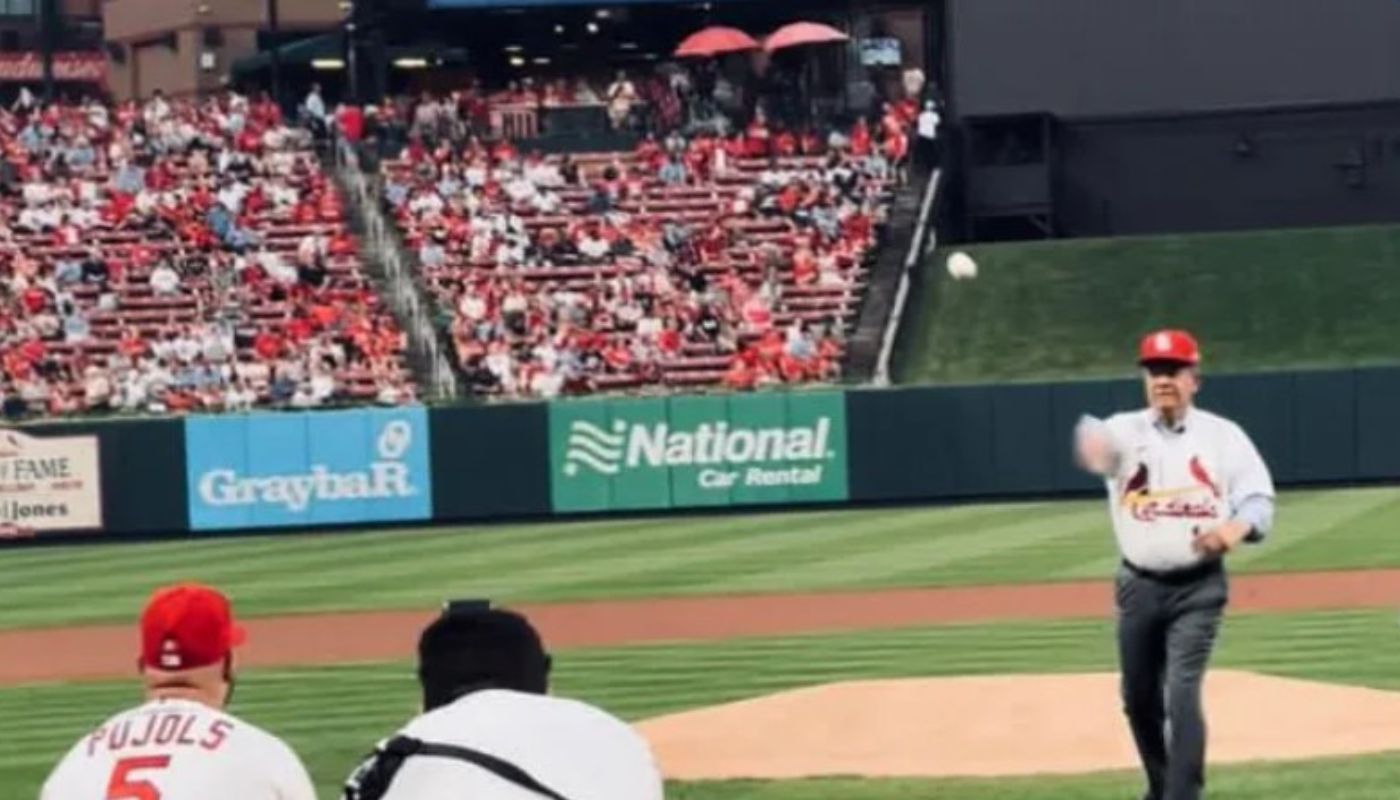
{"x": 1146, "y": 505}
{"x": 1199, "y": 474}
{"x": 1136, "y": 485}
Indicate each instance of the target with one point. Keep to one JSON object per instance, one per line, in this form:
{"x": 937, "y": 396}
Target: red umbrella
{"x": 716, "y": 41}
{"x": 800, "y": 33}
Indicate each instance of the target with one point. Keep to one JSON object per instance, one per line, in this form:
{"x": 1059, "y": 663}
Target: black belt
{"x": 1185, "y": 575}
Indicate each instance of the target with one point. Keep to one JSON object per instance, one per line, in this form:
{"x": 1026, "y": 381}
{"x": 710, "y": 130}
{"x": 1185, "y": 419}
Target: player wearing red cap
{"x": 1185, "y": 488}
{"x": 181, "y": 744}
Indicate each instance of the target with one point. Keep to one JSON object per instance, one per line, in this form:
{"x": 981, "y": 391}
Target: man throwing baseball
{"x": 1186, "y": 487}
{"x": 180, "y": 744}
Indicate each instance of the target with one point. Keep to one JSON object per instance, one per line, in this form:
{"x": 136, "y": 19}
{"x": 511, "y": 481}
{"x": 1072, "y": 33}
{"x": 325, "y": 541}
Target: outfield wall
{"x": 297, "y": 471}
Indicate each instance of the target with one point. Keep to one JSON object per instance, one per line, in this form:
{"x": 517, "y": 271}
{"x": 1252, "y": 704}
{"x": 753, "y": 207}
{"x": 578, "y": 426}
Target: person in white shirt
{"x": 1185, "y": 488}
{"x": 304, "y": 397}
{"x": 929, "y": 120}
{"x": 594, "y": 248}
{"x": 239, "y": 397}
{"x": 231, "y": 196}
{"x": 314, "y": 106}
{"x": 322, "y": 385}
{"x": 490, "y": 731}
{"x": 165, "y": 280}
{"x": 181, "y": 743}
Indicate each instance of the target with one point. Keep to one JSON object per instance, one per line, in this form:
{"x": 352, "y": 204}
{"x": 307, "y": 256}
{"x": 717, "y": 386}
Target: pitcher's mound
{"x": 1005, "y": 725}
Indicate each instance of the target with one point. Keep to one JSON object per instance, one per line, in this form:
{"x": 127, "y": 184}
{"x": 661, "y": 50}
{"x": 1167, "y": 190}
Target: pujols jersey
{"x": 178, "y": 750}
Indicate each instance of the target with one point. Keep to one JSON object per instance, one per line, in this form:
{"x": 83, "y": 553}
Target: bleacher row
{"x": 34, "y": 366}
{"x": 755, "y": 237}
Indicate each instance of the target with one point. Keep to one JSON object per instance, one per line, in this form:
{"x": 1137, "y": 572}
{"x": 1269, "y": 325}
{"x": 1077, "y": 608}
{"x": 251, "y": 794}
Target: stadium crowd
{"x": 175, "y": 256}
{"x": 695, "y": 259}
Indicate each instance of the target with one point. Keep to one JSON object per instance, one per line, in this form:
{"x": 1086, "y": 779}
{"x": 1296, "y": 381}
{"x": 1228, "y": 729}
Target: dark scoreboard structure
{"x": 450, "y": 4}
{"x": 1107, "y": 117}
{"x": 1078, "y": 58}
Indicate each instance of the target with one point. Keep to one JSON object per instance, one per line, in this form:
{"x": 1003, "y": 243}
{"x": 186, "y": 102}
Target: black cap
{"x": 473, "y": 646}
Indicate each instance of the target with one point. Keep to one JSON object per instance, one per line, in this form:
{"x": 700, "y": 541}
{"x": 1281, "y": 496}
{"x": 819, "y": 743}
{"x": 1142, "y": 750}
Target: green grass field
{"x": 838, "y": 549}
{"x": 332, "y": 714}
{"x": 1076, "y": 308}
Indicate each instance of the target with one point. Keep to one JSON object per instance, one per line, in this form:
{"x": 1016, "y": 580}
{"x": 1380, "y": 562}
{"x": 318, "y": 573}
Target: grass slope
{"x": 839, "y": 549}
{"x": 331, "y": 715}
{"x": 1075, "y": 309}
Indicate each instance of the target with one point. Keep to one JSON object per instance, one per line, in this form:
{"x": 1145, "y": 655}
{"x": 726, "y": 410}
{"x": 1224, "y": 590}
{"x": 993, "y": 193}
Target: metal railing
{"x": 924, "y": 238}
{"x": 403, "y": 292}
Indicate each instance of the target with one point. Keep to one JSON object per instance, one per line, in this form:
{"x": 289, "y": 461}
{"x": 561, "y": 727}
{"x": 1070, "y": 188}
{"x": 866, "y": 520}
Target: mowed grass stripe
{"x": 707, "y": 567}
{"x": 697, "y": 546}
{"x": 1360, "y": 778}
{"x": 287, "y": 555}
{"x": 1334, "y": 527}
{"x": 1351, "y": 538}
{"x": 1008, "y": 554}
{"x": 667, "y": 556}
{"x": 349, "y": 571}
{"x": 490, "y": 574}
{"x": 821, "y": 566}
{"x": 333, "y": 714}
{"x": 904, "y": 539}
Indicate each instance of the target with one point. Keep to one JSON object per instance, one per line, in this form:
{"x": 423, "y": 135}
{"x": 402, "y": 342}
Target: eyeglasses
{"x": 1168, "y": 369}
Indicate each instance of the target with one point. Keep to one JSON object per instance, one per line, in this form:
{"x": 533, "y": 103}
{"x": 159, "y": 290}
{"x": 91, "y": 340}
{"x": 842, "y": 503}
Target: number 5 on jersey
{"x": 125, "y": 785}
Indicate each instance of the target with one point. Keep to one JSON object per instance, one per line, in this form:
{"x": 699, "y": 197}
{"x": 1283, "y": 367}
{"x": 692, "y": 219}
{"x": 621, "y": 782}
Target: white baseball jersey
{"x": 178, "y": 750}
{"x": 575, "y": 749}
{"x": 1171, "y": 482}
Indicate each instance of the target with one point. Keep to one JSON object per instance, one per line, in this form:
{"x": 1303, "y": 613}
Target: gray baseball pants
{"x": 1167, "y": 626}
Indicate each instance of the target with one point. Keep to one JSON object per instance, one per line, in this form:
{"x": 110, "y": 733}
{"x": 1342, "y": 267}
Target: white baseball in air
{"x": 960, "y": 265}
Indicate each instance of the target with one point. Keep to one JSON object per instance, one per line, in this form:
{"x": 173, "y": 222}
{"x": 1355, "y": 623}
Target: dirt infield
{"x": 1006, "y": 725}
{"x": 93, "y": 652}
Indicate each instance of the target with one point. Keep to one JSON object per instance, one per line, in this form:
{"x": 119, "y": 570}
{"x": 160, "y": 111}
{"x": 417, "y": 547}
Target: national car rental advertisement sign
{"x": 681, "y": 452}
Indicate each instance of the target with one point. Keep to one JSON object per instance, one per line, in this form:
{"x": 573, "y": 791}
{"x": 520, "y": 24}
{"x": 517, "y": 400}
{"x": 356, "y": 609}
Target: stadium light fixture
{"x": 592, "y": 27}
{"x": 559, "y": 28}
{"x": 602, "y": 13}
{"x": 542, "y": 61}
{"x": 515, "y": 48}
{"x": 411, "y": 63}
{"x": 517, "y": 61}
{"x": 326, "y": 64}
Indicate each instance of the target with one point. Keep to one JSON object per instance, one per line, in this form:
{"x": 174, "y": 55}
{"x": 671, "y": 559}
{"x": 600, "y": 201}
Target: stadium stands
{"x": 688, "y": 262}
{"x": 180, "y": 257}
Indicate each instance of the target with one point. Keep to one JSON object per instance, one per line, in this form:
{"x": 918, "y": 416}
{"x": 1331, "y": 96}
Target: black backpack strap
{"x": 372, "y": 781}
{"x": 497, "y": 766}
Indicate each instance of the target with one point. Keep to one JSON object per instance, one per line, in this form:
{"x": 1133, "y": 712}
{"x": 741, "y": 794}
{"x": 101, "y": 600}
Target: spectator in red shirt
{"x": 861, "y": 144}
{"x": 650, "y": 154}
{"x": 342, "y": 244}
{"x": 350, "y": 119}
{"x": 34, "y": 299}
{"x": 740, "y": 376}
{"x": 804, "y": 266}
{"x": 756, "y": 138}
{"x": 785, "y": 144}
{"x": 267, "y": 345}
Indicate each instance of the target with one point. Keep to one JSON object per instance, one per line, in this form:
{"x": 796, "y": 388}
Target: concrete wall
{"x": 170, "y": 70}
{"x": 135, "y": 23}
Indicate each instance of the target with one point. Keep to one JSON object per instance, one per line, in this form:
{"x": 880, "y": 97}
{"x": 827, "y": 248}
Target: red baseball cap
{"x": 186, "y": 626}
{"x": 1169, "y": 345}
